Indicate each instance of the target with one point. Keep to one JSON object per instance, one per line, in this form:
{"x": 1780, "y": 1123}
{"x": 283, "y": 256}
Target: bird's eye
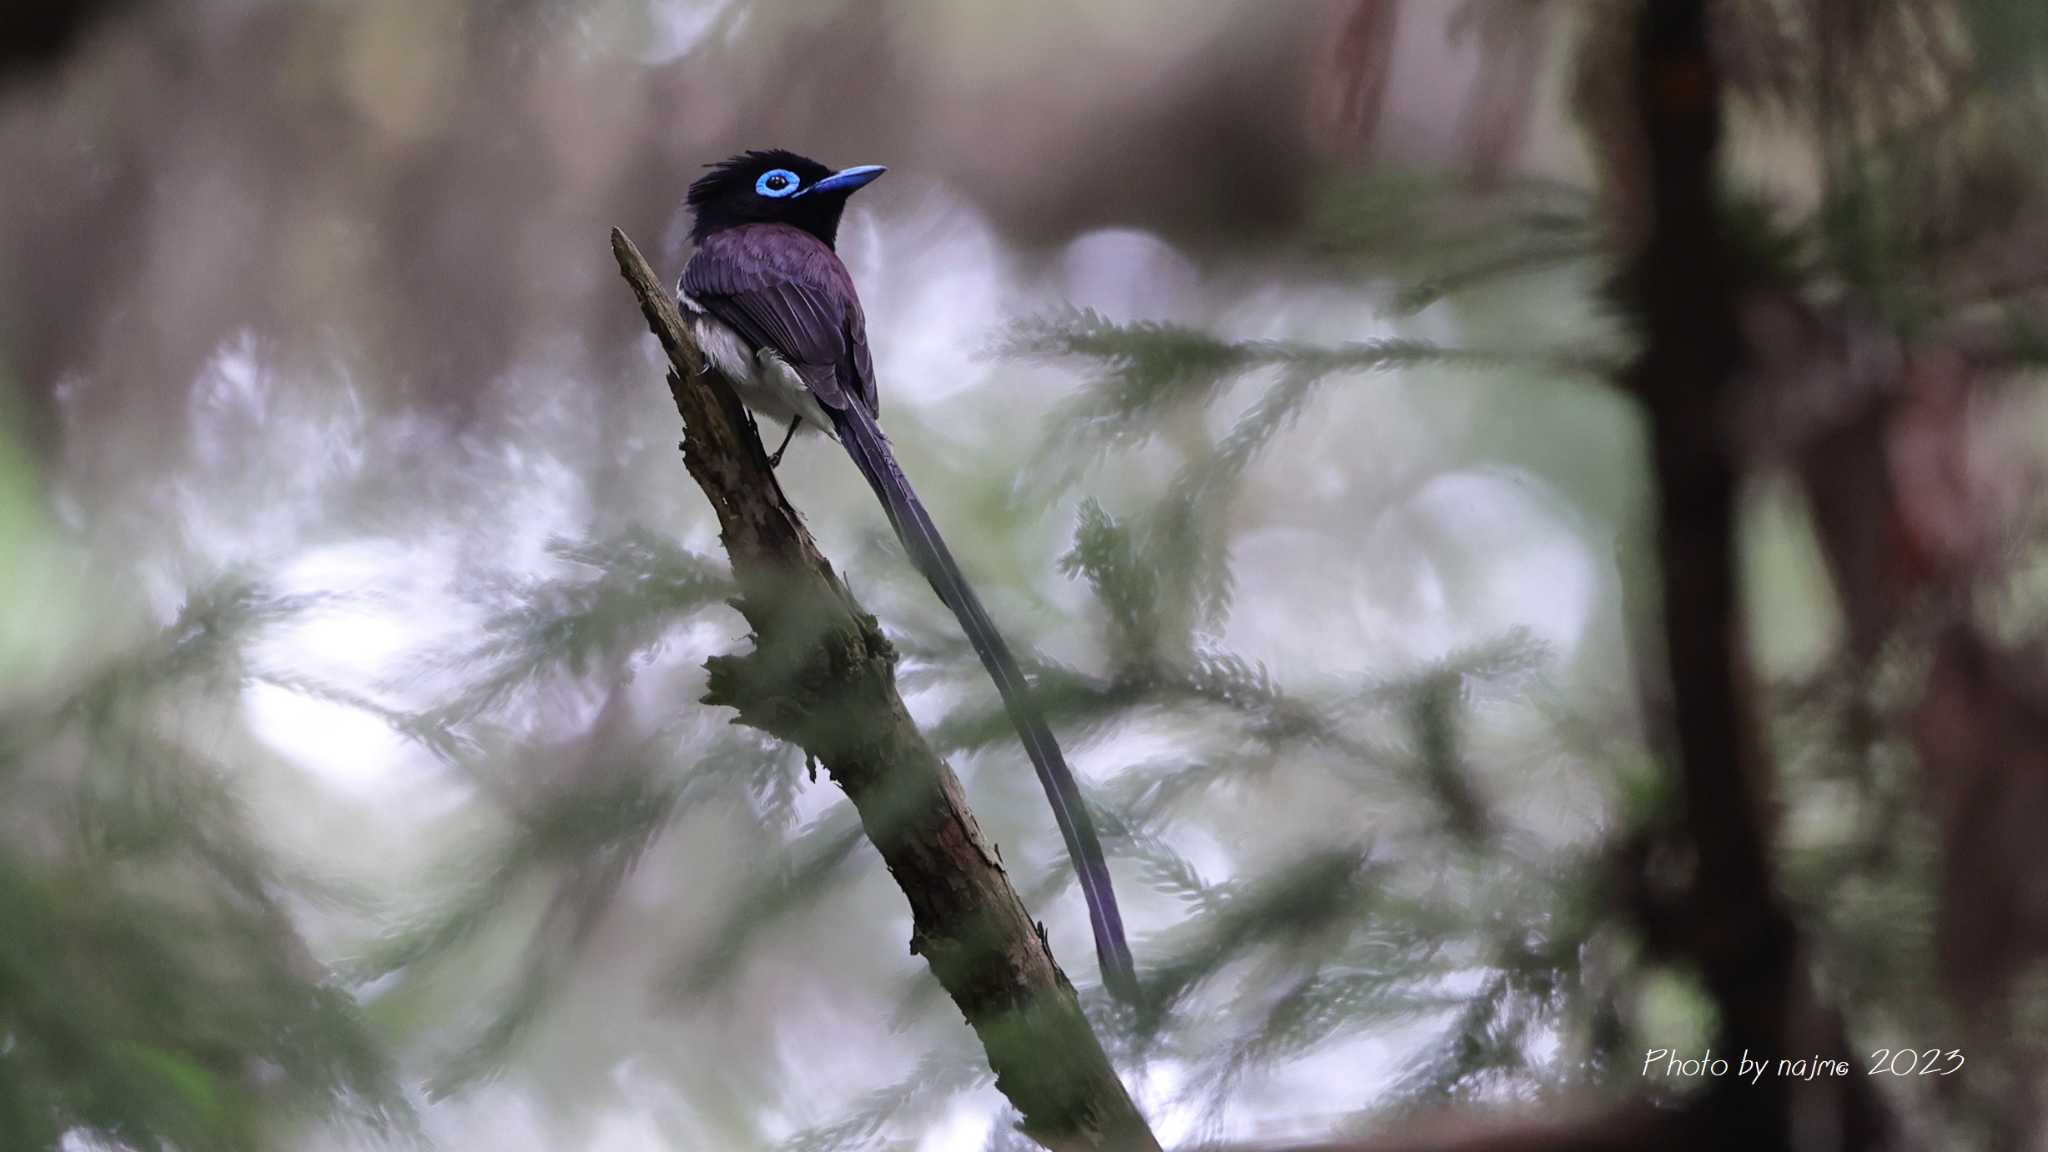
{"x": 776, "y": 183}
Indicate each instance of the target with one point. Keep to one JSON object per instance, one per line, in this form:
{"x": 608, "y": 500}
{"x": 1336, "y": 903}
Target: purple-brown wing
{"x": 783, "y": 289}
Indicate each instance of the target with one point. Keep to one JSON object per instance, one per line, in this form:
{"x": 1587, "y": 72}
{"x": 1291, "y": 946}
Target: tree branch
{"x": 1624, "y": 1127}
{"x": 1684, "y": 289}
{"x": 822, "y": 676}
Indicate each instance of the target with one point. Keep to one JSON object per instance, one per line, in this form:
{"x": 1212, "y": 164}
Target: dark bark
{"x": 822, "y": 676}
{"x": 39, "y": 34}
{"x": 1684, "y": 289}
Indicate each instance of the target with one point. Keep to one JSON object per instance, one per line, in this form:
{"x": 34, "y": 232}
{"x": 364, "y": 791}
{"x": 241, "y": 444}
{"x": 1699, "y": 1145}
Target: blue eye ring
{"x": 777, "y": 183}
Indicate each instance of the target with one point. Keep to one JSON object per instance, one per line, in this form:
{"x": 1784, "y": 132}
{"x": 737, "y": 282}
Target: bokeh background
{"x": 1258, "y": 359}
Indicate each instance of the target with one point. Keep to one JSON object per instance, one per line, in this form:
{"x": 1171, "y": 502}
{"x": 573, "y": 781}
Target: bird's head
{"x": 774, "y": 187}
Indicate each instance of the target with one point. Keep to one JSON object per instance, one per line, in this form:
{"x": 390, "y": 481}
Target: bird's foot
{"x": 775, "y": 457}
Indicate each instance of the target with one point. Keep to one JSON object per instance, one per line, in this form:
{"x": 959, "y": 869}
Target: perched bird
{"x": 777, "y": 315}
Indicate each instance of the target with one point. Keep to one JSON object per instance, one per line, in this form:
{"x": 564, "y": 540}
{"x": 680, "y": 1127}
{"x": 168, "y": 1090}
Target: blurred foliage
{"x": 1426, "y": 852}
{"x": 153, "y": 987}
{"x": 1435, "y": 236}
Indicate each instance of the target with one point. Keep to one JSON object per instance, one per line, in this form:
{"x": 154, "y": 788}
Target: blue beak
{"x": 846, "y": 179}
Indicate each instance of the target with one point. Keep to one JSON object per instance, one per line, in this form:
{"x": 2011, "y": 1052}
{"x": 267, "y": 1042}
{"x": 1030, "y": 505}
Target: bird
{"x": 777, "y": 315}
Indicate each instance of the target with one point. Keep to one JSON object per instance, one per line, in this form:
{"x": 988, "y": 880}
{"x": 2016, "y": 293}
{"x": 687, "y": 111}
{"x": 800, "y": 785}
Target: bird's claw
{"x": 775, "y": 457}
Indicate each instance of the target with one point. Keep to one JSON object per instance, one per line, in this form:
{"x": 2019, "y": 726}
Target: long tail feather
{"x": 871, "y": 454}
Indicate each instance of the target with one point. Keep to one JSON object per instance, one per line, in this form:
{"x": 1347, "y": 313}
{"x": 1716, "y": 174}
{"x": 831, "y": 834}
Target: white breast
{"x": 764, "y": 380}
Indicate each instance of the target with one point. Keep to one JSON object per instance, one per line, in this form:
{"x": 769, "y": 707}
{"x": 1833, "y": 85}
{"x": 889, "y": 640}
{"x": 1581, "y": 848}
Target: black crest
{"x": 765, "y": 186}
